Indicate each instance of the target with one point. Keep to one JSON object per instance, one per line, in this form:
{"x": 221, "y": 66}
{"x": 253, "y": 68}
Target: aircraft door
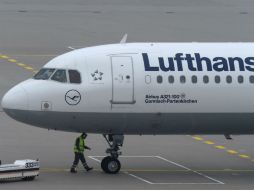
{"x": 122, "y": 80}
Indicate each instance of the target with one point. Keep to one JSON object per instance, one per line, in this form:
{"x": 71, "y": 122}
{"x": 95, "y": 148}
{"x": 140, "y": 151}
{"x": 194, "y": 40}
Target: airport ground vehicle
{"x": 20, "y": 169}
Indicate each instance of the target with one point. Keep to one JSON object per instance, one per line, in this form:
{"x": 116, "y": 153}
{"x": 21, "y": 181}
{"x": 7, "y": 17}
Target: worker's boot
{"x": 88, "y": 168}
{"x": 73, "y": 170}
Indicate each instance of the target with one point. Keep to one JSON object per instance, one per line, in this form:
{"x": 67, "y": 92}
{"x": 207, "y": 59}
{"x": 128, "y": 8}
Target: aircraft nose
{"x": 15, "y": 99}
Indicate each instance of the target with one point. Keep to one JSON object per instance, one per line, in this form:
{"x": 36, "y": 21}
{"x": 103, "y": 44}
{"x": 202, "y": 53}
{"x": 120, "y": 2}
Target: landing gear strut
{"x": 111, "y": 164}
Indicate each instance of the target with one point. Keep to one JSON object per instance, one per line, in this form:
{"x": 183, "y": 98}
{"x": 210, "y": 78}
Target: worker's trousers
{"x": 79, "y": 156}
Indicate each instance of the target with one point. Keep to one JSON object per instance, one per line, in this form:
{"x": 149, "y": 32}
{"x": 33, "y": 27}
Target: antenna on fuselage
{"x": 124, "y": 39}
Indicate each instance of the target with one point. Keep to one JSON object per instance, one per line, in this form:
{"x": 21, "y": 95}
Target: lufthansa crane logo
{"x": 72, "y": 97}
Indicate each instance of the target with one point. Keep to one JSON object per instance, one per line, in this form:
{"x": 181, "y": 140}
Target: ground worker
{"x": 79, "y": 148}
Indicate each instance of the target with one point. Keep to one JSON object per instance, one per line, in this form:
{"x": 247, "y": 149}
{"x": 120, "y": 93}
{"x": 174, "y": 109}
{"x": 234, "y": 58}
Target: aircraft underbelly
{"x": 140, "y": 123}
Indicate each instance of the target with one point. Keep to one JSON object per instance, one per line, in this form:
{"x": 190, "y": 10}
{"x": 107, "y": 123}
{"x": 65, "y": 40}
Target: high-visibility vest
{"x": 79, "y": 146}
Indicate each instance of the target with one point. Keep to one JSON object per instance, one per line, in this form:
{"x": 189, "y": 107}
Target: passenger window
{"x": 251, "y": 79}
{"x": 171, "y": 79}
{"x": 205, "y": 79}
{"x": 74, "y": 76}
{"x": 229, "y": 79}
{"x": 240, "y": 79}
{"x": 217, "y": 79}
{"x": 44, "y": 74}
{"x": 159, "y": 79}
{"x": 148, "y": 79}
{"x": 194, "y": 79}
{"x": 60, "y": 76}
{"x": 182, "y": 79}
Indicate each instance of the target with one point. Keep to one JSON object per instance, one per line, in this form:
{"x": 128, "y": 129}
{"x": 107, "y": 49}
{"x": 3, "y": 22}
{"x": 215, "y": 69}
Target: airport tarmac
{"x": 32, "y": 32}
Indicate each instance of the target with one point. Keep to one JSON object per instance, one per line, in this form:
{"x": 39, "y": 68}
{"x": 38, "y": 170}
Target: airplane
{"x": 141, "y": 89}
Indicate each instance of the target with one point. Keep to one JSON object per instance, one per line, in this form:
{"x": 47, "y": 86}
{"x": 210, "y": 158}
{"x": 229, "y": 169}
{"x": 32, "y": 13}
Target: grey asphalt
{"x": 34, "y": 31}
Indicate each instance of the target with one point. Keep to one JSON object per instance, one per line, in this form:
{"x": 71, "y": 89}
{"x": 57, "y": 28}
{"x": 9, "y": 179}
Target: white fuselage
{"x": 144, "y": 88}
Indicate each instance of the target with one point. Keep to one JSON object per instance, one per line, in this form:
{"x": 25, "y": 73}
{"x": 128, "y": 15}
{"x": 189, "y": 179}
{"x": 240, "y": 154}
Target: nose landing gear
{"x": 111, "y": 164}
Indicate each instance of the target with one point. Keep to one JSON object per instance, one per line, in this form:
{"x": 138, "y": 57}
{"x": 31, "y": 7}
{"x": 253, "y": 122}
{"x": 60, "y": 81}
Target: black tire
{"x": 111, "y": 165}
{"x": 31, "y": 178}
{"x": 104, "y": 163}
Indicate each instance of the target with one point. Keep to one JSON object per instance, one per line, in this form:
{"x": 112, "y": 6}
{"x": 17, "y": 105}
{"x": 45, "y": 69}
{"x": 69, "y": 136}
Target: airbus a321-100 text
{"x": 140, "y": 89}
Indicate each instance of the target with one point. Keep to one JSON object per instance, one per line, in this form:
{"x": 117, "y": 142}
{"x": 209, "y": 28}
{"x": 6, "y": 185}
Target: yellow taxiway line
{"x": 220, "y": 147}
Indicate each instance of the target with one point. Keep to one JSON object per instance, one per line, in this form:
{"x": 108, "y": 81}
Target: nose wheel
{"x": 111, "y": 164}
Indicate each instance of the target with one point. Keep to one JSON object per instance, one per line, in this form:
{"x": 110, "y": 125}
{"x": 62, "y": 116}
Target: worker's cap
{"x": 84, "y": 134}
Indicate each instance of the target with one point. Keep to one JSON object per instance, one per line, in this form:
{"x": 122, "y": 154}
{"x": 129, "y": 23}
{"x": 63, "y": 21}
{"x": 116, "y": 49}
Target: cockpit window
{"x": 44, "y": 74}
{"x": 74, "y": 76}
{"x": 60, "y": 76}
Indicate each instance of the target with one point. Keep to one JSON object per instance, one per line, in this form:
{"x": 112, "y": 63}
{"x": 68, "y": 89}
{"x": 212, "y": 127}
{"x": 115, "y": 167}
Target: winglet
{"x": 124, "y": 39}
